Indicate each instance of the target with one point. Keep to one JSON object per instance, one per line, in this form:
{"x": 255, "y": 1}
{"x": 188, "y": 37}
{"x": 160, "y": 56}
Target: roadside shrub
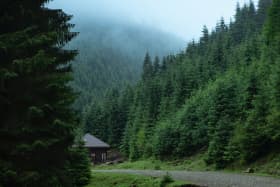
{"x": 157, "y": 167}
{"x": 166, "y": 179}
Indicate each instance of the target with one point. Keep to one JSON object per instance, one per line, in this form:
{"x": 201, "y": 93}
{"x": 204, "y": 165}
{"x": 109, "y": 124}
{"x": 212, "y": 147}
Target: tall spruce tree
{"x": 272, "y": 33}
{"x": 147, "y": 68}
{"x": 272, "y": 29}
{"x": 156, "y": 66}
{"x": 263, "y": 7}
{"x": 37, "y": 123}
{"x": 205, "y": 35}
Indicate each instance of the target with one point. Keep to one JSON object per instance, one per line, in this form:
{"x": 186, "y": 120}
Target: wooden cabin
{"x": 98, "y": 149}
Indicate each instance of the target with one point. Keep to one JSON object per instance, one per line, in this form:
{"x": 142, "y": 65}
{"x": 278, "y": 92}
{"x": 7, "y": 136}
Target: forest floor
{"x": 210, "y": 179}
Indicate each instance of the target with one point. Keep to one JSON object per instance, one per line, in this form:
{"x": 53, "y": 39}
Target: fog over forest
{"x": 181, "y": 17}
{"x": 186, "y": 89}
{"x": 114, "y": 36}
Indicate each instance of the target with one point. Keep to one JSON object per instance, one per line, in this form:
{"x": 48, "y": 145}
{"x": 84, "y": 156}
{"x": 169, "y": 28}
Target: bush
{"x": 157, "y": 167}
{"x": 166, "y": 179}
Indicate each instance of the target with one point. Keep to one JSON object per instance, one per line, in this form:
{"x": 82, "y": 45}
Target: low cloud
{"x": 184, "y": 18}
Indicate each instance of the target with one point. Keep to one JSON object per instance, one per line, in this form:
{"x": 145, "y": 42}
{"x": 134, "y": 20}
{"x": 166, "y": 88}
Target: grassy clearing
{"x": 266, "y": 166}
{"x": 194, "y": 163}
{"x": 125, "y": 180}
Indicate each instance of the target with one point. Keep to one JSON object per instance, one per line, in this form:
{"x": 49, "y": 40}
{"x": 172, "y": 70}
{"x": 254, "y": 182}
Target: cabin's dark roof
{"x": 92, "y": 141}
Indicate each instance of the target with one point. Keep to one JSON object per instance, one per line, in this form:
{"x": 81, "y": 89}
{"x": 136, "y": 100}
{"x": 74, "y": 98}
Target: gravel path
{"x": 209, "y": 179}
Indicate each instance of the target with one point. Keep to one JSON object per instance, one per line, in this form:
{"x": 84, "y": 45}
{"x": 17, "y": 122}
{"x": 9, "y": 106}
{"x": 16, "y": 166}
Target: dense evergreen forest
{"x": 111, "y": 54}
{"x": 37, "y": 123}
{"x": 221, "y": 96}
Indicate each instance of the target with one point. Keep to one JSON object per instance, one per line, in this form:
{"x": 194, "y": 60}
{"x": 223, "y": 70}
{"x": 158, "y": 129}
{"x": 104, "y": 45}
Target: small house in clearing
{"x": 97, "y": 148}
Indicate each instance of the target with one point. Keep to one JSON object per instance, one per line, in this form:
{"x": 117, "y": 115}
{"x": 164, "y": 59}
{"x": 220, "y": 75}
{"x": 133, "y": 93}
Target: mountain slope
{"x": 111, "y": 54}
{"x": 221, "y": 97}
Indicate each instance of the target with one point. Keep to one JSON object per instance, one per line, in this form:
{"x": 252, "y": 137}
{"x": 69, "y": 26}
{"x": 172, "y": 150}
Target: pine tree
{"x": 205, "y": 35}
{"x": 237, "y": 26}
{"x": 111, "y": 108}
{"x": 252, "y": 9}
{"x": 263, "y": 7}
{"x": 95, "y": 121}
{"x": 274, "y": 117}
{"x": 251, "y": 19}
{"x": 125, "y": 103}
{"x": 255, "y": 141}
{"x": 167, "y": 92}
{"x": 272, "y": 29}
{"x": 37, "y": 122}
{"x": 272, "y": 33}
{"x": 156, "y": 65}
{"x": 221, "y": 26}
{"x": 124, "y": 147}
{"x": 217, "y": 147}
{"x": 164, "y": 64}
{"x": 218, "y": 55}
{"x": 79, "y": 165}
{"x": 147, "y": 68}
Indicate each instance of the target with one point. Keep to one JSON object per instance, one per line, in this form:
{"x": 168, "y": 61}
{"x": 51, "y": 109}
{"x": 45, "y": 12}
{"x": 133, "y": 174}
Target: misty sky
{"x": 184, "y": 18}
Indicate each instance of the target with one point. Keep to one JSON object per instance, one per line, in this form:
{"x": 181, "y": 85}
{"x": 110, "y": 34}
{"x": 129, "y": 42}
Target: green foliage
{"x": 274, "y": 114}
{"x": 108, "y": 121}
{"x": 147, "y": 68}
{"x": 79, "y": 168}
{"x": 166, "y": 179}
{"x": 272, "y": 29}
{"x": 165, "y": 140}
{"x": 110, "y": 56}
{"x": 37, "y": 124}
{"x": 220, "y": 95}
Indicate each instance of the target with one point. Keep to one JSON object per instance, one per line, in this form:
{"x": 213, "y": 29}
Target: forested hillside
{"x": 221, "y": 96}
{"x": 111, "y": 53}
{"x": 217, "y": 99}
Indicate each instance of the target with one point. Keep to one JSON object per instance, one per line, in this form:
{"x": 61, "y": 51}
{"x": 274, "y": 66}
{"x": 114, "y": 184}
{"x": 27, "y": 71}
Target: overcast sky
{"x": 184, "y": 18}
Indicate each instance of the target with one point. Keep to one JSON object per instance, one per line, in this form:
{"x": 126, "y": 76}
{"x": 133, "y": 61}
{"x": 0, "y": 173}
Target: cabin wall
{"x": 98, "y": 155}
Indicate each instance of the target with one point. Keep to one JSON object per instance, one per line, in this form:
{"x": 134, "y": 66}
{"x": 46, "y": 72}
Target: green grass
{"x": 266, "y": 166}
{"x": 195, "y": 163}
{"x": 125, "y": 180}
